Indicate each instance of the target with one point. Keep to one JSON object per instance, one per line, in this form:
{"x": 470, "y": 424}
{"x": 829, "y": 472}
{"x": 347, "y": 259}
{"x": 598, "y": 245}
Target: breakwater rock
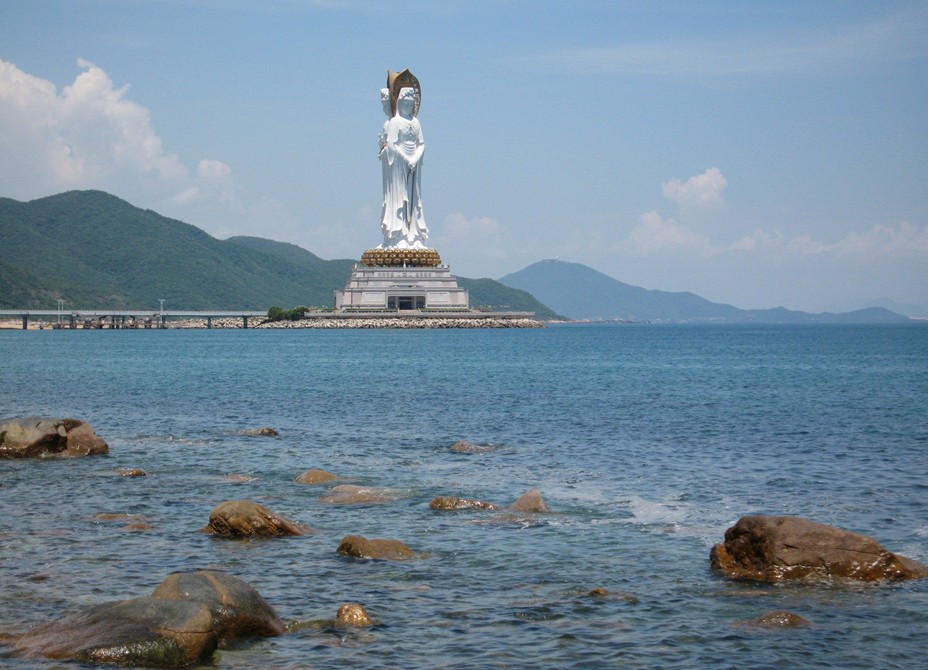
{"x": 778, "y": 548}
{"x": 406, "y": 322}
{"x": 182, "y": 623}
{"x": 41, "y": 437}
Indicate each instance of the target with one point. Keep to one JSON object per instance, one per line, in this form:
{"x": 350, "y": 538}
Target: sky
{"x": 759, "y": 154}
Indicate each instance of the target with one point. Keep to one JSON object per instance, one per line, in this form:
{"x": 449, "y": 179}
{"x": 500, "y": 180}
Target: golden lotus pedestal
{"x": 392, "y": 258}
{"x": 402, "y": 280}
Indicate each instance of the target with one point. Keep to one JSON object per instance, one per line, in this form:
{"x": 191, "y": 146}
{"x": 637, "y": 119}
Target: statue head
{"x": 406, "y": 101}
{"x": 385, "y": 101}
{"x": 396, "y": 82}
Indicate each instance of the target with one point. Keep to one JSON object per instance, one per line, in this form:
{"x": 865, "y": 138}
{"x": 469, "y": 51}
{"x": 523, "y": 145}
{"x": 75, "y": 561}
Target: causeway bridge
{"x": 129, "y": 318}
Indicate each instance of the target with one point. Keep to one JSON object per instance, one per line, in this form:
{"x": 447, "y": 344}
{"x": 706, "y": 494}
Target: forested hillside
{"x": 95, "y": 250}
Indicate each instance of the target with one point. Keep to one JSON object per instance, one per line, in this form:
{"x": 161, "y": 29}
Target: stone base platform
{"x": 402, "y": 289}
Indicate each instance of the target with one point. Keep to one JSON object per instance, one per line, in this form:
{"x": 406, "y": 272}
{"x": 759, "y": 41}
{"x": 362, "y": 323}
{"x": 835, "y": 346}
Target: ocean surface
{"x": 646, "y": 441}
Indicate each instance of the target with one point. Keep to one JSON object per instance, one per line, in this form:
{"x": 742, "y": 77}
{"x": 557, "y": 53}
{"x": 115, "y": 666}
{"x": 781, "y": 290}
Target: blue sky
{"x": 755, "y": 153}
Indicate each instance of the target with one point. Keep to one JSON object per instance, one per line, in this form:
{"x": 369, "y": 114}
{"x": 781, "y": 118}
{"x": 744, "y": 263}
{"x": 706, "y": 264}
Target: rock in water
{"x": 315, "y": 476}
{"x": 778, "y": 619}
{"x": 352, "y": 614}
{"x": 452, "y": 503}
{"x": 141, "y": 631}
{"x": 531, "y": 501}
{"x": 264, "y": 431}
{"x": 467, "y": 447}
{"x": 244, "y": 518}
{"x": 777, "y": 548}
{"x": 187, "y": 616}
{"x": 37, "y": 437}
{"x": 358, "y": 546}
{"x": 350, "y": 494}
{"x": 237, "y": 609}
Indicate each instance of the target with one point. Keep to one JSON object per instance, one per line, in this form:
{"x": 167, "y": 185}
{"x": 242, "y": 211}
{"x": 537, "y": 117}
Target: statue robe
{"x": 403, "y": 223}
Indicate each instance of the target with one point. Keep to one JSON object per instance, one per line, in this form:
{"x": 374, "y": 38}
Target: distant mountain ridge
{"x": 582, "y": 293}
{"x": 94, "y": 250}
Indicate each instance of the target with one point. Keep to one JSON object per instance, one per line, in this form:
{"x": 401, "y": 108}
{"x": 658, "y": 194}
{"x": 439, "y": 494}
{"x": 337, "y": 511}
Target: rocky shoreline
{"x": 406, "y": 322}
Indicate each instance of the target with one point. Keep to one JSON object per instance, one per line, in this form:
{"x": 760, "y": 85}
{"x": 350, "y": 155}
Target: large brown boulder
{"x": 242, "y": 518}
{"x": 777, "y": 548}
{"x": 187, "y": 616}
{"x": 237, "y": 609}
{"x": 141, "y": 631}
{"x": 358, "y": 546}
{"x": 39, "y": 437}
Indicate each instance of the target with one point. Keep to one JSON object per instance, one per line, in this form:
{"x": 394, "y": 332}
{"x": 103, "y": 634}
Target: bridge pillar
{"x": 209, "y": 322}
{"x": 25, "y": 322}
{"x": 244, "y": 322}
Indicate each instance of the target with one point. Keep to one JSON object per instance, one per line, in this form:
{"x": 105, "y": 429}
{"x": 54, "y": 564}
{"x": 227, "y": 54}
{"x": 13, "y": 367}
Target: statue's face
{"x": 406, "y": 101}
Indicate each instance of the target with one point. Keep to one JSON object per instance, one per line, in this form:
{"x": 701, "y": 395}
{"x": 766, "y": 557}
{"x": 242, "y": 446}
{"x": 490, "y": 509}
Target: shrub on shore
{"x": 279, "y": 314}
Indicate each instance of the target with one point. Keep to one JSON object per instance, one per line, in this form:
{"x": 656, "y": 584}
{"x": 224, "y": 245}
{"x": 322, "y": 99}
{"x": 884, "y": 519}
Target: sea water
{"x": 646, "y": 442}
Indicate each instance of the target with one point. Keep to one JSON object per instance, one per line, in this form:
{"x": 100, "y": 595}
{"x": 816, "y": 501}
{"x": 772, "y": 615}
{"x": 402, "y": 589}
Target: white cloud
{"x": 654, "y": 234}
{"x": 903, "y": 240}
{"x": 460, "y": 226}
{"x": 90, "y": 135}
{"x": 702, "y": 190}
{"x": 761, "y": 238}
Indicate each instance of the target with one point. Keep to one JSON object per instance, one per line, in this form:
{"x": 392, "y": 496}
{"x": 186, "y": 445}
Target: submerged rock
{"x": 132, "y": 472}
{"x": 244, "y": 518}
{"x": 237, "y": 609}
{"x": 358, "y": 546}
{"x": 778, "y": 619}
{"x": 452, "y": 503}
{"x": 38, "y": 437}
{"x": 352, "y": 614}
{"x": 465, "y": 447}
{"x": 316, "y": 476}
{"x": 600, "y": 593}
{"x": 350, "y": 494}
{"x": 778, "y": 548}
{"x": 531, "y": 501}
{"x": 237, "y": 478}
{"x": 265, "y": 431}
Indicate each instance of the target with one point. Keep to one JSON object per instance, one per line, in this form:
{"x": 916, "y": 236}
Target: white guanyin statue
{"x": 401, "y": 149}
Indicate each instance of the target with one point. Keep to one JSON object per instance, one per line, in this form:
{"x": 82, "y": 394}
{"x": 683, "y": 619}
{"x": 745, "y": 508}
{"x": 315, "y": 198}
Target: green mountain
{"x": 95, "y": 250}
{"x": 583, "y": 293}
